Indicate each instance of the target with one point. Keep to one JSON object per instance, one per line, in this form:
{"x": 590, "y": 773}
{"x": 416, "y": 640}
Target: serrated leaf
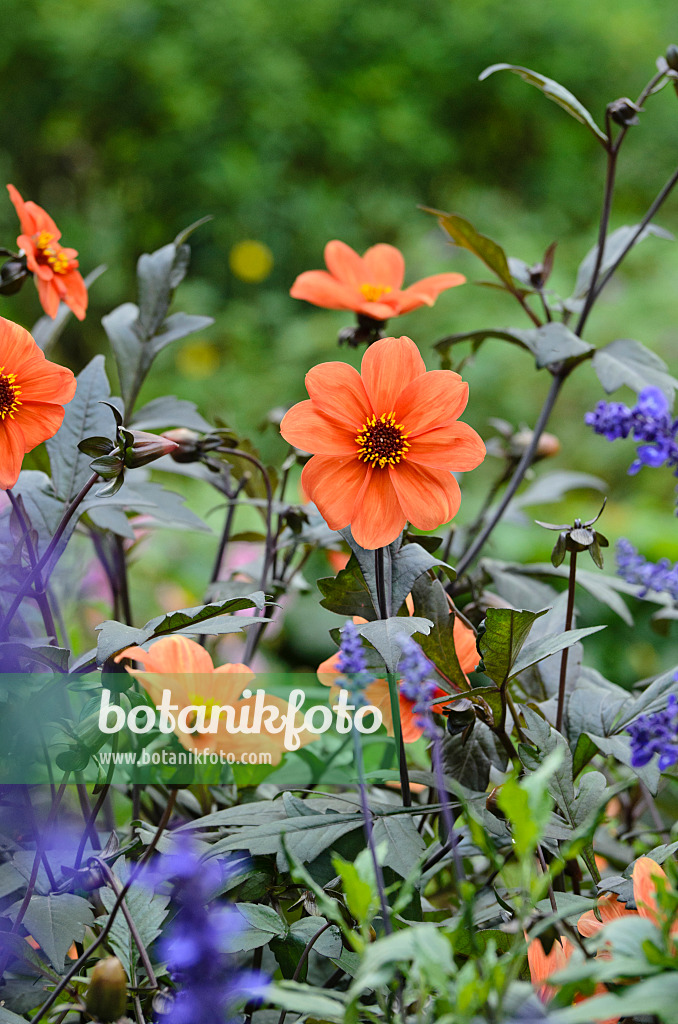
{"x": 114, "y": 636}
{"x": 535, "y": 652}
{"x": 147, "y": 910}
{"x": 84, "y": 416}
{"x": 387, "y": 635}
{"x": 430, "y": 602}
{"x": 404, "y": 844}
{"x": 469, "y": 761}
{"x": 553, "y": 91}
{"x": 262, "y": 924}
{"x": 628, "y": 362}
{"x": 55, "y": 922}
{"x": 506, "y": 631}
{"x": 347, "y": 593}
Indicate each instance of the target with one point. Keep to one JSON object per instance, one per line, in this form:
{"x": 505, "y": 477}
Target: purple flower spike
{"x": 656, "y": 734}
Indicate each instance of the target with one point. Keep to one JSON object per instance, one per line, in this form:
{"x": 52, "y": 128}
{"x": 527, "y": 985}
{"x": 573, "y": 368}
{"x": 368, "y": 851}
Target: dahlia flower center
{"x": 382, "y": 441}
{"x": 50, "y": 254}
{"x": 9, "y": 394}
{"x": 373, "y": 292}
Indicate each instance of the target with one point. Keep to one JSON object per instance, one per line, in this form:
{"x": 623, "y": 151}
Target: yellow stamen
{"x": 9, "y": 394}
{"x": 382, "y": 441}
{"x": 50, "y": 254}
{"x": 373, "y": 292}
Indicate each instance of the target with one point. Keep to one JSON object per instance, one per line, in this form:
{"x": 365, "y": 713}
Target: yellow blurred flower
{"x": 198, "y": 360}
{"x": 251, "y": 261}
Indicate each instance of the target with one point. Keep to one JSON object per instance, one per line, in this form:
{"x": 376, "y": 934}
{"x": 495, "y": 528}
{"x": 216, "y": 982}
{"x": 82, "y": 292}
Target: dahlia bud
{"x": 107, "y": 993}
{"x": 672, "y": 56}
{"x": 13, "y": 273}
{"x": 624, "y": 112}
{"x": 547, "y": 445}
{"x": 187, "y": 444}
{"x": 144, "y": 448}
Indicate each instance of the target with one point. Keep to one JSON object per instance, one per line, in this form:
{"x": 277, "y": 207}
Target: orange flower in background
{"x": 33, "y": 392}
{"x": 55, "y": 268}
{"x": 385, "y": 442}
{"x": 369, "y": 284}
{"x": 646, "y": 873}
{"x": 543, "y": 965}
{"x": 377, "y": 693}
{"x": 183, "y": 667}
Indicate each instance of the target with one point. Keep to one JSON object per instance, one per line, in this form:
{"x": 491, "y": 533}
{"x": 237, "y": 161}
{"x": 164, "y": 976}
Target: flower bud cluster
{"x": 656, "y": 734}
{"x": 661, "y": 576}
{"x": 649, "y": 421}
{"x": 197, "y": 947}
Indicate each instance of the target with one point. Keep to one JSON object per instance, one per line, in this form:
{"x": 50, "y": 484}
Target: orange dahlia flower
{"x": 384, "y": 441}
{"x": 378, "y": 694}
{"x": 369, "y": 284}
{"x": 543, "y": 965}
{"x": 55, "y": 268}
{"x": 183, "y": 667}
{"x": 646, "y": 873}
{"x": 33, "y": 392}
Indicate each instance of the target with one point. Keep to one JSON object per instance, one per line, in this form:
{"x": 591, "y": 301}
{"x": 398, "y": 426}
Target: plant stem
{"x": 38, "y": 593}
{"x": 369, "y": 833}
{"x": 75, "y": 967}
{"x": 520, "y": 470}
{"x": 303, "y": 958}
{"x": 569, "y": 615}
{"x": 36, "y": 572}
{"x": 143, "y": 952}
{"x": 444, "y": 798}
{"x": 612, "y": 152}
{"x": 384, "y": 600}
{"x": 121, "y": 579}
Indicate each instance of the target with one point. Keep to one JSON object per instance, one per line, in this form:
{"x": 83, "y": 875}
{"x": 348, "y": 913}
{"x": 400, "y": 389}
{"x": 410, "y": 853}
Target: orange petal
{"x": 465, "y": 645}
{"x": 645, "y": 874}
{"x": 610, "y": 908}
{"x": 428, "y": 497}
{"x": 76, "y": 294}
{"x": 171, "y": 654}
{"x": 456, "y": 447}
{"x": 42, "y": 220}
{"x": 43, "y": 381}
{"x": 338, "y": 390}
{"x": 320, "y": 288}
{"x": 426, "y": 291}
{"x": 377, "y": 517}
{"x": 334, "y": 484}
{"x": 17, "y": 347}
{"x": 12, "y": 450}
{"x": 388, "y": 366}
{"x": 344, "y": 263}
{"x": 307, "y": 428}
{"x": 431, "y": 402}
{"x": 39, "y": 420}
{"x": 328, "y": 670}
{"x": 542, "y": 966}
{"x": 48, "y": 295}
{"x": 377, "y": 694}
{"x": 28, "y": 224}
{"x": 382, "y": 310}
{"x": 384, "y": 265}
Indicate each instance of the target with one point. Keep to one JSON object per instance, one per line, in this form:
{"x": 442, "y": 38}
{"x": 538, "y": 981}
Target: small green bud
{"x": 107, "y": 993}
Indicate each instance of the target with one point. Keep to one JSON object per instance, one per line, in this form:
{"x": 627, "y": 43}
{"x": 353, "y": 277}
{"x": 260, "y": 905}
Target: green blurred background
{"x": 293, "y": 123}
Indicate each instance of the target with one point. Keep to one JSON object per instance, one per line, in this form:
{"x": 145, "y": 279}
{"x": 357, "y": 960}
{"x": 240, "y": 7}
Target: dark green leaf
{"x": 387, "y": 635}
{"x": 615, "y": 244}
{"x": 263, "y": 923}
{"x": 463, "y": 234}
{"x": 404, "y": 843}
{"x": 84, "y": 416}
{"x": 169, "y": 411}
{"x": 114, "y": 636}
{"x": 554, "y": 91}
{"x": 347, "y": 593}
{"x": 506, "y": 631}
{"x": 178, "y": 326}
{"x": 548, "y": 645}
{"x": 430, "y": 601}
{"x": 470, "y": 762}
{"x": 628, "y": 362}
{"x": 147, "y": 910}
{"x": 55, "y": 922}
{"x": 555, "y": 343}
